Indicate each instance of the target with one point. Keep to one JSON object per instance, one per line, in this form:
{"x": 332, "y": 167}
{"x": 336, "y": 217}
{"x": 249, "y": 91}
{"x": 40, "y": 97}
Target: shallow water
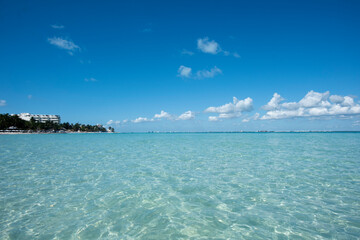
{"x": 180, "y": 186}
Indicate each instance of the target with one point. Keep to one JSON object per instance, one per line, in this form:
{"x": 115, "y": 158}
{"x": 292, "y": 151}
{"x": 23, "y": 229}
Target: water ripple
{"x": 180, "y": 186}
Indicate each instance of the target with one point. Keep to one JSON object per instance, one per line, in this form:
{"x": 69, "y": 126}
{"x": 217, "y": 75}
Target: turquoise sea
{"x": 180, "y": 186}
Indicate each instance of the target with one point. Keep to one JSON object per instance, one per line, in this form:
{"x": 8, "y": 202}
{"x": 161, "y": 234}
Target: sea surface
{"x": 180, "y": 186}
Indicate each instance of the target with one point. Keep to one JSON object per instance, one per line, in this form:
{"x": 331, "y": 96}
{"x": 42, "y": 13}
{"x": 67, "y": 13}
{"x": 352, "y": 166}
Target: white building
{"x": 40, "y": 117}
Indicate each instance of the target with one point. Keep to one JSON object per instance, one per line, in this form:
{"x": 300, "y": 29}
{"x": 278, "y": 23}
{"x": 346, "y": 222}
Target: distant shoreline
{"x": 27, "y": 133}
{"x": 264, "y": 132}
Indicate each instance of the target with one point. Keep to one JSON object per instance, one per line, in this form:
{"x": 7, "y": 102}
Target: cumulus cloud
{"x": 186, "y": 116}
{"x": 184, "y": 71}
{"x": 63, "y": 44}
{"x": 2, "y": 103}
{"x": 213, "y": 119}
{"x": 208, "y": 73}
{"x": 314, "y": 104}
{"x": 55, "y": 26}
{"x": 315, "y": 99}
{"x": 224, "y": 116}
{"x": 112, "y": 122}
{"x": 142, "y": 119}
{"x": 274, "y": 102}
{"x": 245, "y": 105}
{"x": 206, "y": 46}
{"x": 163, "y": 114}
{"x": 254, "y": 117}
{"x": 212, "y": 47}
{"x": 336, "y": 98}
{"x": 231, "y": 110}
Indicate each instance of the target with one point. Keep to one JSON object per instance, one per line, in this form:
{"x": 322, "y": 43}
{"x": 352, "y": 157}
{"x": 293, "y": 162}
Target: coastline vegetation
{"x": 8, "y": 121}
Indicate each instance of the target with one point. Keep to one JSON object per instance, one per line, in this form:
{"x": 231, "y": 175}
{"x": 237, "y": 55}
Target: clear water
{"x": 180, "y": 186}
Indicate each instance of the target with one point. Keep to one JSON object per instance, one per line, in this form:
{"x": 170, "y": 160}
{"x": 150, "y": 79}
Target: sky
{"x": 143, "y": 66}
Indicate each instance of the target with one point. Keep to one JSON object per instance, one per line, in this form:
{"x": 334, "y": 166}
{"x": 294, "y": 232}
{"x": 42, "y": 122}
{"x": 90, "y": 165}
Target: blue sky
{"x": 291, "y": 65}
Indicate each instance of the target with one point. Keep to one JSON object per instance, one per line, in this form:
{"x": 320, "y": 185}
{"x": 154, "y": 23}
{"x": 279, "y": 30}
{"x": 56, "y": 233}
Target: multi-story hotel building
{"x": 40, "y": 117}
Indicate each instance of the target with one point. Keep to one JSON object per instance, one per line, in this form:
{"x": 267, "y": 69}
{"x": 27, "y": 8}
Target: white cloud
{"x": 290, "y": 105}
{"x": 315, "y": 99}
{"x": 29, "y": 96}
{"x": 187, "y": 52}
{"x": 229, "y": 115}
{"x": 274, "y": 102}
{"x": 254, "y": 117}
{"x": 112, "y": 122}
{"x": 55, "y": 26}
{"x": 314, "y": 104}
{"x": 245, "y": 105}
{"x": 186, "y": 116}
{"x": 2, "y": 103}
{"x": 184, "y": 71}
{"x": 163, "y": 114}
{"x": 206, "y": 46}
{"x": 90, "y": 80}
{"x": 336, "y": 98}
{"x": 208, "y": 74}
{"x": 231, "y": 110}
{"x": 141, "y": 119}
{"x": 212, "y": 47}
{"x": 63, "y": 44}
{"x": 348, "y": 101}
{"x": 213, "y": 119}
